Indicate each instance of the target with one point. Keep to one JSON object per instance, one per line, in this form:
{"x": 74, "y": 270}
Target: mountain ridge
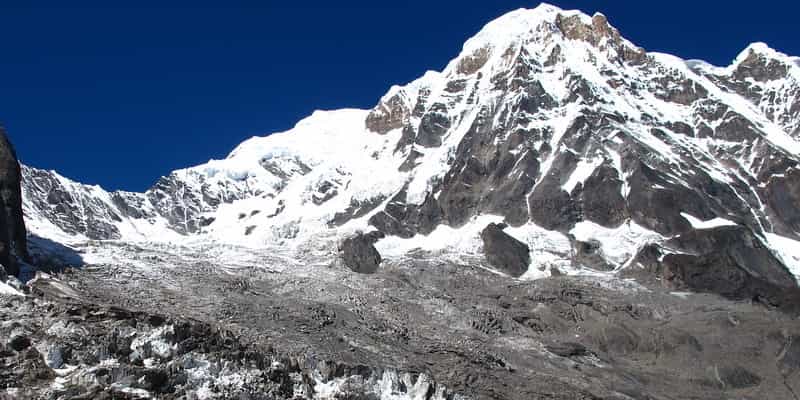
{"x": 548, "y": 119}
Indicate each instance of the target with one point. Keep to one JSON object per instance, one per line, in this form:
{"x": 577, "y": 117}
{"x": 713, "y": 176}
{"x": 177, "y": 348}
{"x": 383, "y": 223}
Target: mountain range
{"x": 553, "y": 164}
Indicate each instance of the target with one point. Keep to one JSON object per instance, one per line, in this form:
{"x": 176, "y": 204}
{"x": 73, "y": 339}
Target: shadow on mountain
{"x": 49, "y": 256}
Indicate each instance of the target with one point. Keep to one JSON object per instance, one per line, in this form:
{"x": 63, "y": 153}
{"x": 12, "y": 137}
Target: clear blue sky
{"x": 119, "y": 96}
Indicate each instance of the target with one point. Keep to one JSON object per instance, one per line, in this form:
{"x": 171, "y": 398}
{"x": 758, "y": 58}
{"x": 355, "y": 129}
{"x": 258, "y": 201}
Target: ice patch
{"x": 710, "y": 224}
{"x": 5, "y": 289}
{"x": 582, "y": 172}
{"x": 617, "y": 244}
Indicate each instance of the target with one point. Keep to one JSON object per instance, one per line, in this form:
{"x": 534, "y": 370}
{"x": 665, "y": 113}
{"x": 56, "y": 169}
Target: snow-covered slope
{"x": 587, "y": 145}
{"x": 307, "y": 174}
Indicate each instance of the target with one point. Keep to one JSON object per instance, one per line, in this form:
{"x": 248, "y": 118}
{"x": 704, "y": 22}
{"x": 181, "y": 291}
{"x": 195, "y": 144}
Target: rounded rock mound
{"x": 358, "y": 252}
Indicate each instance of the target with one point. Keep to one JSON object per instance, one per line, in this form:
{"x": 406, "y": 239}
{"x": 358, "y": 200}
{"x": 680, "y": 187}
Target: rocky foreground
{"x": 58, "y": 346}
{"x": 416, "y": 329}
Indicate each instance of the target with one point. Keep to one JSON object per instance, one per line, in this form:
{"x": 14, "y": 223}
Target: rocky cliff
{"x": 12, "y": 225}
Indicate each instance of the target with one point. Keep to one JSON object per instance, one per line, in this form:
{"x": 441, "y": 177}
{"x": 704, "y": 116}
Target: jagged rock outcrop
{"x": 733, "y": 262}
{"x": 728, "y": 260}
{"x": 358, "y": 252}
{"x": 503, "y": 252}
{"x": 12, "y": 225}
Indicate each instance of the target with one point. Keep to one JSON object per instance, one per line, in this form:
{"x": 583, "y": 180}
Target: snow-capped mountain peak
{"x": 548, "y": 120}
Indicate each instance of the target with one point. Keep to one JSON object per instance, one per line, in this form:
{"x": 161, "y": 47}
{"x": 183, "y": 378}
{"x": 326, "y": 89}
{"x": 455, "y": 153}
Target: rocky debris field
{"x": 416, "y": 328}
{"x": 56, "y": 346}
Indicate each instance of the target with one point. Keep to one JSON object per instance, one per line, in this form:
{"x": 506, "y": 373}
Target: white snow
{"x": 549, "y": 249}
{"x": 385, "y": 388}
{"x": 465, "y": 244}
{"x": 710, "y": 224}
{"x": 582, "y": 172}
{"x": 788, "y": 250}
{"x": 464, "y": 240}
{"x": 617, "y": 244}
{"x": 5, "y": 289}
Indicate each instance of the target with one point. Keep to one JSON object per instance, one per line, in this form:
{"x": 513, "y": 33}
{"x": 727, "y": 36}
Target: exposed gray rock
{"x": 76, "y": 212}
{"x": 737, "y": 377}
{"x": 358, "y": 252}
{"x": 433, "y": 126}
{"x": 590, "y": 254}
{"x": 12, "y": 226}
{"x": 504, "y": 252}
{"x": 601, "y": 197}
{"x": 730, "y": 261}
{"x": 356, "y": 209}
{"x": 782, "y": 193}
{"x": 406, "y": 220}
{"x": 599, "y": 29}
{"x": 115, "y": 353}
{"x": 550, "y": 206}
{"x": 760, "y": 68}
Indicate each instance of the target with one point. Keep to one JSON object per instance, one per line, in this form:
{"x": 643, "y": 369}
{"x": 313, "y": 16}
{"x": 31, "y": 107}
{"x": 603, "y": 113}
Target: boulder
{"x": 737, "y": 377}
{"x": 503, "y": 252}
{"x": 359, "y": 254}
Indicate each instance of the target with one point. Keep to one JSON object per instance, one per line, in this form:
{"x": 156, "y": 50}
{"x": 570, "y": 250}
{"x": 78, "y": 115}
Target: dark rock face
{"x": 551, "y": 207}
{"x": 783, "y": 196}
{"x": 729, "y": 260}
{"x": 356, "y": 209}
{"x": 656, "y": 203}
{"x": 489, "y": 176}
{"x": 737, "y": 377}
{"x": 433, "y": 126}
{"x": 76, "y": 212}
{"x": 12, "y": 226}
{"x": 503, "y": 252}
{"x": 601, "y": 197}
{"x": 180, "y": 204}
{"x": 402, "y": 219}
{"x": 590, "y": 254}
{"x": 358, "y": 252}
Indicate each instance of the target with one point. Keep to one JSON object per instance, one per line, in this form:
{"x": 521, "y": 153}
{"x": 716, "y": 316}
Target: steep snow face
{"x": 268, "y": 188}
{"x": 548, "y": 120}
{"x": 768, "y": 79}
{"x": 309, "y": 178}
